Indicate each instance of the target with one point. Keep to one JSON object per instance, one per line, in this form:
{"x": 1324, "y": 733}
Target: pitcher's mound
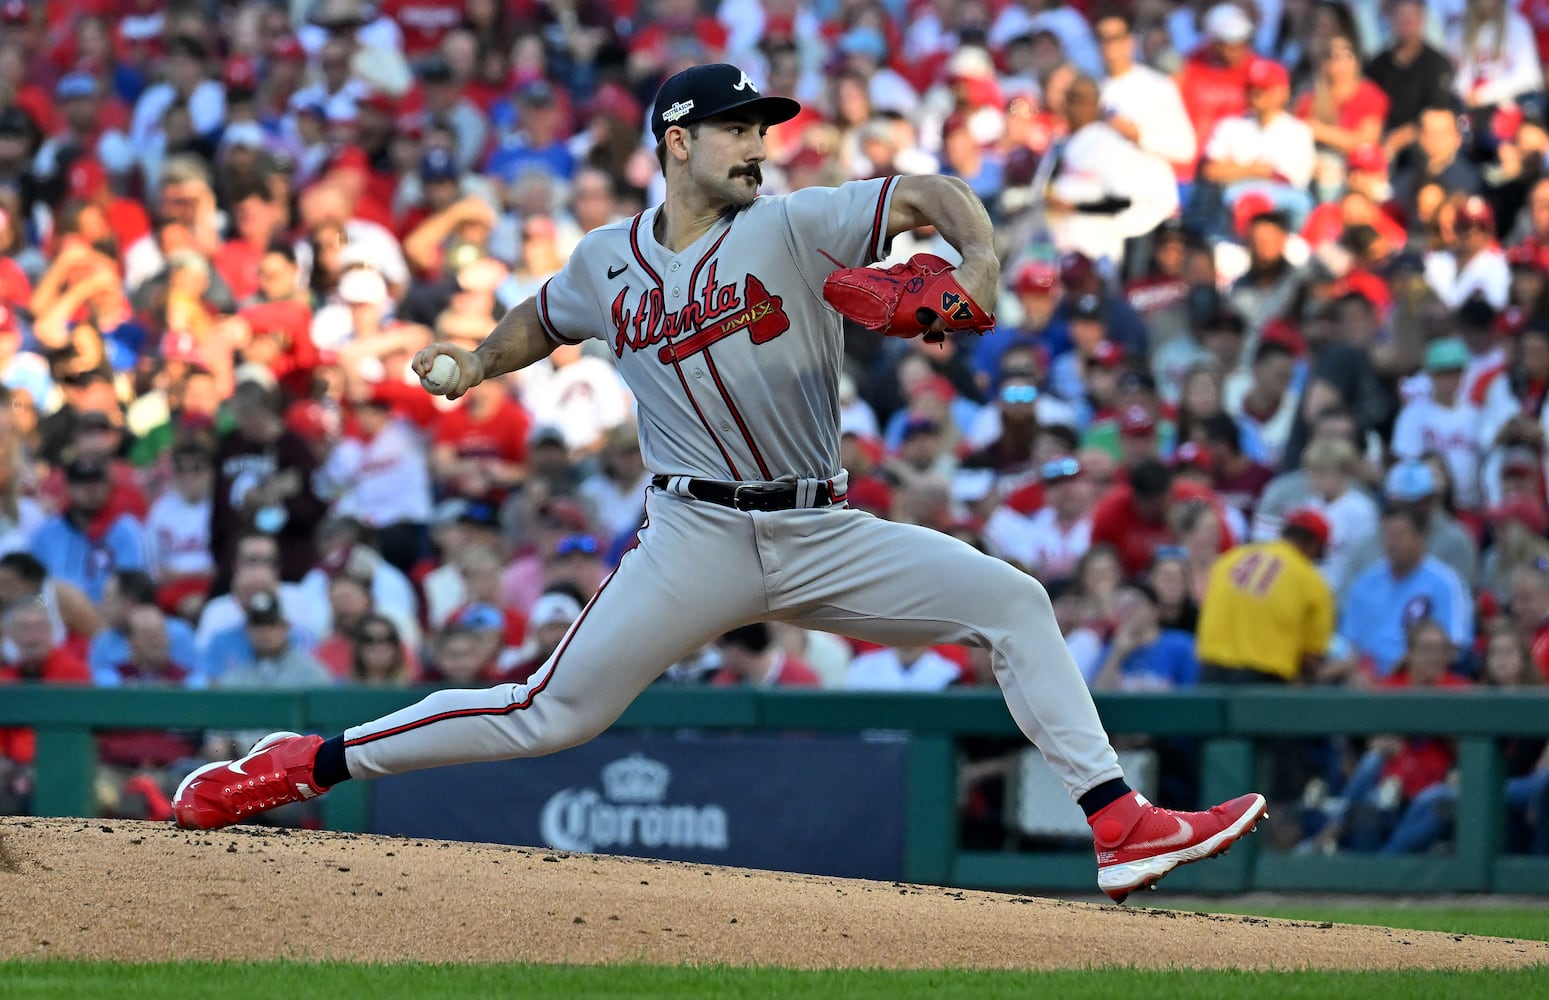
{"x": 142, "y": 892}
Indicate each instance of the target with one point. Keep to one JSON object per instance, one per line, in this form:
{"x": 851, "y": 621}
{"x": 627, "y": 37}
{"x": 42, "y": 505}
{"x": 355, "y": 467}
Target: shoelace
{"x": 258, "y": 792}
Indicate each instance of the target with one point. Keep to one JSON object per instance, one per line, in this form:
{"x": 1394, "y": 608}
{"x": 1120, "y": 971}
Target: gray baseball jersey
{"x": 734, "y": 359}
{"x": 728, "y": 346}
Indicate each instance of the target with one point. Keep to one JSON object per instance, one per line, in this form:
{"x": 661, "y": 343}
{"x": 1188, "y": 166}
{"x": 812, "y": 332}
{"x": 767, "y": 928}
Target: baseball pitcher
{"x": 723, "y": 311}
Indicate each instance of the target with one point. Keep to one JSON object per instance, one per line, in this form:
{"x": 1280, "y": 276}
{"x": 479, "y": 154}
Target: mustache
{"x": 752, "y": 170}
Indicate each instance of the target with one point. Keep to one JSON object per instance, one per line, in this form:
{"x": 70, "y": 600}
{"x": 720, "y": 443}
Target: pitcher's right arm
{"x": 517, "y": 341}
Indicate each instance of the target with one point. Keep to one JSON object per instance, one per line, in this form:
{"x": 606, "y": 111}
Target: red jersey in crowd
{"x": 282, "y": 340}
{"x": 60, "y": 667}
{"x": 1212, "y": 91}
{"x": 1116, "y": 521}
{"x": 788, "y": 672}
{"x": 502, "y": 435}
{"x": 1367, "y": 102}
{"x": 424, "y": 22}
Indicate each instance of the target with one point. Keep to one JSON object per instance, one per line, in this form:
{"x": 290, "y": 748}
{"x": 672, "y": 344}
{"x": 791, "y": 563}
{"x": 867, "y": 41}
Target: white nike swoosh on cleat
{"x": 1183, "y": 836}
{"x": 236, "y": 766}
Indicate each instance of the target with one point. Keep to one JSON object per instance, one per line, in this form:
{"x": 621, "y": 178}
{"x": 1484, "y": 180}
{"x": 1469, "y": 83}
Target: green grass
{"x": 286, "y": 981}
{"x": 47, "y": 980}
{"x": 1515, "y": 922}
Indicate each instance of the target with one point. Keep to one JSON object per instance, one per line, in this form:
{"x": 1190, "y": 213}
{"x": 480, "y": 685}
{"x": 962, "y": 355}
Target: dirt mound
{"x": 141, "y": 892}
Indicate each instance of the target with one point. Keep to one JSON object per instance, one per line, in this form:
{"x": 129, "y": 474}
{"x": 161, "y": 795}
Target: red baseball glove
{"x": 905, "y": 299}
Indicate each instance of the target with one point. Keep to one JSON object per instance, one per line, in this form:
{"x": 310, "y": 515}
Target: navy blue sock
{"x": 328, "y": 767}
{"x": 1091, "y": 803}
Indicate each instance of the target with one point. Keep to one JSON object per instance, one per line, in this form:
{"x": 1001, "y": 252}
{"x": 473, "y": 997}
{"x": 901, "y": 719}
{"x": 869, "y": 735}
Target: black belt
{"x": 749, "y": 496}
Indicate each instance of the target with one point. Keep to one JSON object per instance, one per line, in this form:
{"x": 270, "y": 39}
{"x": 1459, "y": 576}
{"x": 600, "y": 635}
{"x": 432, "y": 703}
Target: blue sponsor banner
{"x": 824, "y": 805}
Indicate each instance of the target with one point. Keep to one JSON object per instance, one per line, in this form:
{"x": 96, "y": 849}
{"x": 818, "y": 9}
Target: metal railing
{"x": 1226, "y": 722}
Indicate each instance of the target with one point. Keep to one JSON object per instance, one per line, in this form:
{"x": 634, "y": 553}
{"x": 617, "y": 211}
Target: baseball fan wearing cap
{"x": 1214, "y": 79}
{"x": 723, "y": 312}
{"x": 1268, "y": 615}
{"x": 1267, "y": 151}
{"x": 1444, "y": 421}
{"x": 1474, "y": 264}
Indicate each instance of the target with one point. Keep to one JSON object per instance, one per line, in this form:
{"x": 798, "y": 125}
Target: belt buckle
{"x": 736, "y": 496}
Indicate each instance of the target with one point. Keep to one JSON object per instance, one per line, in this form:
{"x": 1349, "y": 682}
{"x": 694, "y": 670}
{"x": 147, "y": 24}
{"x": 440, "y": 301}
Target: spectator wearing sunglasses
{"x": 577, "y": 562}
{"x": 378, "y": 656}
{"x": 1050, "y": 542}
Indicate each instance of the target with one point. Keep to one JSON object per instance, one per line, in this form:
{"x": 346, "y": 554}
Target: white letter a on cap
{"x": 745, "y": 83}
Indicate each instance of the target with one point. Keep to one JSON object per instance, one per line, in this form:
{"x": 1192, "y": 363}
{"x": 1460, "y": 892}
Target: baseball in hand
{"x": 443, "y": 375}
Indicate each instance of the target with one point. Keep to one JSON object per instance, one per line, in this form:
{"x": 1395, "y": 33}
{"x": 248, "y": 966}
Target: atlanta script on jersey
{"x": 728, "y": 345}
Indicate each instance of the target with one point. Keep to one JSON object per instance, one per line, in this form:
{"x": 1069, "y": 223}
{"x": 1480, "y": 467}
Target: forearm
{"x": 517, "y": 341}
{"x": 948, "y": 204}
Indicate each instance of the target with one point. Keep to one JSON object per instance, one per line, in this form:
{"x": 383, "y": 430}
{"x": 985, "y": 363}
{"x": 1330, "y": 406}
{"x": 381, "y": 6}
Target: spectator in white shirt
{"x": 616, "y": 492}
{"x": 1475, "y": 266}
{"x": 255, "y": 569}
{"x": 1444, "y": 421}
{"x": 382, "y": 479}
{"x": 1105, "y": 190}
{"x": 1496, "y": 53}
{"x": 1142, "y": 105}
{"x": 186, "y": 83}
{"x": 177, "y": 528}
{"x": 907, "y": 668}
{"x": 577, "y": 392}
{"x": 1051, "y": 541}
{"x": 1268, "y": 150}
{"x": 1351, "y": 513}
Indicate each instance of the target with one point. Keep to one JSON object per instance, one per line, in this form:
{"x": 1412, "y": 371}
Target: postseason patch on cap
{"x": 677, "y": 111}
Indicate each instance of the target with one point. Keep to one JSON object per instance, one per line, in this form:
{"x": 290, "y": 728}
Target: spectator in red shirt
{"x": 751, "y": 658}
{"x": 37, "y": 660}
{"x": 240, "y": 260}
{"x": 480, "y": 449}
{"x": 1528, "y": 589}
{"x": 1214, "y": 80}
{"x": 1344, "y": 109}
{"x": 99, "y": 436}
{"x": 1133, "y": 517}
{"x": 424, "y": 22}
{"x": 1237, "y": 479}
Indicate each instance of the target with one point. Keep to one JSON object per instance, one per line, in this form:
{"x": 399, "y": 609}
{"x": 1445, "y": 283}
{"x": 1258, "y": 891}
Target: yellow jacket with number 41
{"x": 1266, "y": 608}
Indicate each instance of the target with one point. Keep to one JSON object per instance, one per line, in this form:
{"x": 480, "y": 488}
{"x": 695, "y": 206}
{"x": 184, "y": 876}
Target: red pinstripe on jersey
{"x": 879, "y": 222}
{"x": 634, "y": 246}
{"x": 693, "y": 280}
{"x": 532, "y": 693}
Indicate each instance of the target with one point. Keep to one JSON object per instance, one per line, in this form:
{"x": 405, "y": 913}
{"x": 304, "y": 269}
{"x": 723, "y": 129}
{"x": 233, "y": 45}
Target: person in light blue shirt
{"x": 1385, "y": 599}
{"x": 126, "y": 590}
{"x": 74, "y": 546}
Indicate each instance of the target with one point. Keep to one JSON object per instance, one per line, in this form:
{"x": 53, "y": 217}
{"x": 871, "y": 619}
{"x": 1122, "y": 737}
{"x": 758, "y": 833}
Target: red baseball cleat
{"x": 1138, "y": 843}
{"x": 278, "y": 770}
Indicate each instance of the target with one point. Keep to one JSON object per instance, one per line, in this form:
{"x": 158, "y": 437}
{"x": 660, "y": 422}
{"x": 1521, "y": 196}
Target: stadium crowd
{"x": 1266, "y": 402}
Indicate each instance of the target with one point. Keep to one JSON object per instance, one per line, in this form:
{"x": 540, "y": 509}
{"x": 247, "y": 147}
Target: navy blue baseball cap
{"x": 438, "y": 165}
{"x": 701, "y": 92}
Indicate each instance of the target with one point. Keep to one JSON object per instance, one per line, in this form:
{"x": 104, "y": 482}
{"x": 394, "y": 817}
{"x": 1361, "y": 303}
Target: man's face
{"x": 1115, "y": 43}
{"x": 1439, "y": 137}
{"x": 31, "y": 632}
{"x": 461, "y": 659}
{"x": 1401, "y": 543}
{"x": 1267, "y": 100}
{"x": 1407, "y": 20}
{"x": 80, "y": 113}
{"x": 1082, "y": 104}
{"x": 1266, "y": 241}
{"x": 1533, "y": 351}
{"x": 1444, "y": 385}
{"x": 1274, "y": 374}
{"x": 1069, "y": 497}
{"x": 180, "y": 201}
{"x": 148, "y": 641}
{"x": 88, "y": 495}
{"x": 268, "y": 640}
{"x": 276, "y": 277}
{"x": 725, "y": 160}
{"x": 921, "y": 448}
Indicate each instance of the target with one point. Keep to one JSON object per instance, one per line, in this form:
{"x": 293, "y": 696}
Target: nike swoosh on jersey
{"x": 1183, "y": 836}
{"x": 614, "y": 272}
